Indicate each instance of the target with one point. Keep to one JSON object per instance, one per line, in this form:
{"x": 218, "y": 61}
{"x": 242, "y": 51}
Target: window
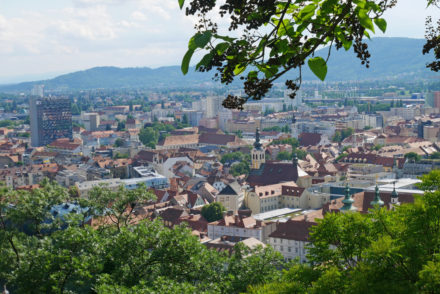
{"x": 281, "y": 248}
{"x": 289, "y": 249}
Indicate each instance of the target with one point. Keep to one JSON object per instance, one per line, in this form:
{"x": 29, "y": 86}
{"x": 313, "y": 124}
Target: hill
{"x": 391, "y": 57}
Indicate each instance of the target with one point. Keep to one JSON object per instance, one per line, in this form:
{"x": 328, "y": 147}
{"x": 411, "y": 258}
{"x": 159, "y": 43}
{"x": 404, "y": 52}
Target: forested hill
{"x": 391, "y": 57}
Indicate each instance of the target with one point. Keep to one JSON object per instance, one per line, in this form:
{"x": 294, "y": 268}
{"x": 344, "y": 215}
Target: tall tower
{"x": 258, "y": 153}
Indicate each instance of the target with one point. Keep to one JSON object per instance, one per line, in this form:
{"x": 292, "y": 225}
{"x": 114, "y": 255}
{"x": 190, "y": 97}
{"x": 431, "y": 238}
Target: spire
{"x": 348, "y": 200}
{"x": 394, "y": 195}
{"x": 377, "y": 200}
{"x": 257, "y": 144}
{"x": 295, "y": 159}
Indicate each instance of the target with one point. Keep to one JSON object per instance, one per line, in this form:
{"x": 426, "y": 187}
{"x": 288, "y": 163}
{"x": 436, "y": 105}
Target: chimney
{"x": 237, "y": 219}
{"x": 259, "y": 223}
{"x": 306, "y": 218}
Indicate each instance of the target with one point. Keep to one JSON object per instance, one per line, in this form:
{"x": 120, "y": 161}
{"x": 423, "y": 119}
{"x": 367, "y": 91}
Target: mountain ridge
{"x": 396, "y": 57}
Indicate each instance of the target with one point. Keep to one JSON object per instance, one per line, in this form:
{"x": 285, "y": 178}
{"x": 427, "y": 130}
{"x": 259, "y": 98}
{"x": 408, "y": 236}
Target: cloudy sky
{"x": 43, "y": 38}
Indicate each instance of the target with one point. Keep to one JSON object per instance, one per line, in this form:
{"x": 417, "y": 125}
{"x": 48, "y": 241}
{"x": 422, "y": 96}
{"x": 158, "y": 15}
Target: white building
{"x": 291, "y": 239}
{"x": 237, "y": 226}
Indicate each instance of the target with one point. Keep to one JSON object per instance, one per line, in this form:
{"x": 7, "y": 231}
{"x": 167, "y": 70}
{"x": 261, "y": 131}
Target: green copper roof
{"x": 377, "y": 200}
{"x": 348, "y": 201}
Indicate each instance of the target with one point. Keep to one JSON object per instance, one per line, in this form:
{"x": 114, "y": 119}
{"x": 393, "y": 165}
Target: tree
{"x": 435, "y": 155}
{"x": 47, "y": 252}
{"x": 149, "y": 137}
{"x": 281, "y": 36}
{"x": 119, "y": 142}
{"x": 241, "y": 168}
{"x": 121, "y": 126}
{"x": 75, "y": 109}
{"x": 213, "y": 212}
{"x": 384, "y": 251}
{"x": 284, "y": 155}
{"x": 412, "y": 157}
{"x": 185, "y": 119}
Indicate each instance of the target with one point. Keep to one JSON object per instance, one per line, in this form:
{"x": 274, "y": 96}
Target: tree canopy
{"x": 266, "y": 39}
{"x": 44, "y": 250}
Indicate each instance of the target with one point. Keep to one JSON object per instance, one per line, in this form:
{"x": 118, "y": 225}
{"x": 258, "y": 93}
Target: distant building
{"x": 38, "y": 90}
{"x": 213, "y": 106}
{"x": 51, "y": 119}
{"x": 91, "y": 121}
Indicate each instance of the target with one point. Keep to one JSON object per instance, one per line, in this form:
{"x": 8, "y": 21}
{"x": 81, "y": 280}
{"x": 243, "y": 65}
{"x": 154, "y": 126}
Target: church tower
{"x": 258, "y": 154}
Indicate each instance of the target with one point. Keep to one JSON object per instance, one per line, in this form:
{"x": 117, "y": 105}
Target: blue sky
{"x": 43, "y": 38}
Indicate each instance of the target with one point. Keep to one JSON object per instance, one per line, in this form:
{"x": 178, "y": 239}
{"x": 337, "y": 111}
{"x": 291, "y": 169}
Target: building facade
{"x": 51, "y": 119}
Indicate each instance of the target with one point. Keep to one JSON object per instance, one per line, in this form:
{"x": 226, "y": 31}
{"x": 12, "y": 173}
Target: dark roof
{"x": 293, "y": 230}
{"x": 273, "y": 173}
{"x": 216, "y": 139}
{"x": 145, "y": 156}
{"x": 231, "y": 189}
{"x": 309, "y": 139}
{"x": 173, "y": 214}
{"x": 292, "y": 191}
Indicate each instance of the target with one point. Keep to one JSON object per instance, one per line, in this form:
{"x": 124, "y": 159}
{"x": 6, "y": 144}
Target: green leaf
{"x": 181, "y": 2}
{"x": 318, "y": 66}
{"x": 365, "y": 20}
{"x": 307, "y": 10}
{"x": 221, "y": 47}
{"x": 199, "y": 40}
{"x": 239, "y": 69}
{"x": 381, "y": 24}
{"x": 185, "y": 61}
{"x": 205, "y": 60}
{"x": 224, "y": 38}
{"x": 347, "y": 45}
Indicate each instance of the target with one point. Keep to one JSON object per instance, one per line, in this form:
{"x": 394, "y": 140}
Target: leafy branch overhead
{"x": 268, "y": 38}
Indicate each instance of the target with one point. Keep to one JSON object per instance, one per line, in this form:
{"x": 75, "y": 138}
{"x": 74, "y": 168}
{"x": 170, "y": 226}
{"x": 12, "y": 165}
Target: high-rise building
{"x": 38, "y": 90}
{"x": 213, "y": 106}
{"x": 51, "y": 119}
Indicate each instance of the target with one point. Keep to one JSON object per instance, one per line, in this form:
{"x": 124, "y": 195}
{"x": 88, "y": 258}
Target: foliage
{"x": 213, "y": 212}
{"x": 235, "y": 156}
{"x": 149, "y": 137}
{"x": 435, "y": 155}
{"x": 241, "y": 168}
{"x": 284, "y": 129}
{"x": 296, "y": 30}
{"x": 291, "y": 141}
{"x": 377, "y": 147}
{"x": 43, "y": 253}
{"x": 340, "y": 136}
{"x": 384, "y": 251}
{"x": 413, "y": 157}
{"x": 119, "y": 142}
{"x": 7, "y": 124}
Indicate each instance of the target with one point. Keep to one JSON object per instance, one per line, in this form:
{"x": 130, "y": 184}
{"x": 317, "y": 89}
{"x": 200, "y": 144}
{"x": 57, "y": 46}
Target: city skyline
{"x": 45, "y": 39}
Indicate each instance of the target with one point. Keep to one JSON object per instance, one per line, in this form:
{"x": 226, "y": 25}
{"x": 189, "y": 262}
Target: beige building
{"x": 284, "y": 195}
{"x": 231, "y": 197}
